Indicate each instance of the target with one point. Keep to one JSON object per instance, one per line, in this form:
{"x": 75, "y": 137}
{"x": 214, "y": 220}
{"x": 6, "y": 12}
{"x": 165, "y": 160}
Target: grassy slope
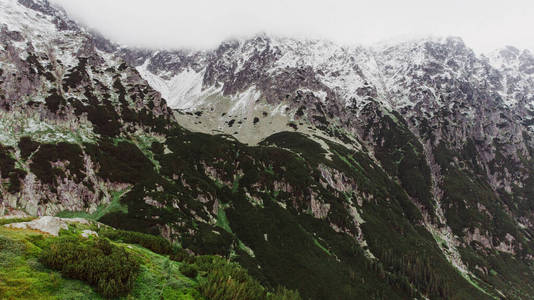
{"x": 22, "y": 276}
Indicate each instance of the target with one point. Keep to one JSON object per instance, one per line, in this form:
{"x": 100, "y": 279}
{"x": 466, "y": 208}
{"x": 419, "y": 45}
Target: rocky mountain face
{"x": 438, "y": 92}
{"x": 60, "y": 95}
{"x": 389, "y": 172}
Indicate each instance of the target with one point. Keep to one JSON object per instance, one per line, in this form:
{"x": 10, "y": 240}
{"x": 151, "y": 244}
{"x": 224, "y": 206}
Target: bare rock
{"x": 48, "y": 224}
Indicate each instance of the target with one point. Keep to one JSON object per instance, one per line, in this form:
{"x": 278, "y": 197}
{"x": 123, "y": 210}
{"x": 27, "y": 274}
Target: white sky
{"x": 483, "y": 24}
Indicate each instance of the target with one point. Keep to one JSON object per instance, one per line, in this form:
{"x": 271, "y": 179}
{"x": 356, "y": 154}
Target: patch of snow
{"x": 182, "y": 91}
{"x": 245, "y": 101}
{"x": 16, "y": 123}
{"x": 319, "y": 94}
{"x": 40, "y": 30}
{"x": 279, "y": 109}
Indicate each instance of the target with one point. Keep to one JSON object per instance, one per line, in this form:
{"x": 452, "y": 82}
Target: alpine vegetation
{"x": 265, "y": 168}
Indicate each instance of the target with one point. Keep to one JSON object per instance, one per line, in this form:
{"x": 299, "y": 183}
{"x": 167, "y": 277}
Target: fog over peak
{"x": 484, "y": 25}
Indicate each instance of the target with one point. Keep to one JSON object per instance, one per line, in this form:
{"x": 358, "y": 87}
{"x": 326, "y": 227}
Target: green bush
{"x": 180, "y": 255}
{"x": 110, "y": 269}
{"x": 282, "y": 293}
{"x": 154, "y": 243}
{"x": 229, "y": 282}
{"x": 207, "y": 263}
{"x": 220, "y": 280}
{"x": 189, "y": 270}
{"x": 226, "y": 280}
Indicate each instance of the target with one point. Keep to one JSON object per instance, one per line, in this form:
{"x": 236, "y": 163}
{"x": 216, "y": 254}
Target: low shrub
{"x": 229, "y": 281}
{"x": 110, "y": 269}
{"x": 180, "y": 255}
{"x": 226, "y": 280}
{"x": 281, "y": 293}
{"x": 154, "y": 243}
{"x": 220, "y": 279}
{"x": 189, "y": 270}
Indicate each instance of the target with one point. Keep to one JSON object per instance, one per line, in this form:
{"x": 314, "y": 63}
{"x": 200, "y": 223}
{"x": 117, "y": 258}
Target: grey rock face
{"x": 478, "y": 107}
{"x": 57, "y": 88}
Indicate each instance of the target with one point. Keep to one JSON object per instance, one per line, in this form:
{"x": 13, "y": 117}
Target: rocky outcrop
{"x": 59, "y": 95}
{"x": 50, "y": 225}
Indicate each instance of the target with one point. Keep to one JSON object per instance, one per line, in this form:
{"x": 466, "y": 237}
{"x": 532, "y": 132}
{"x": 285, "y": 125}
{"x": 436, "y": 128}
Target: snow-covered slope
{"x": 314, "y": 78}
{"x": 182, "y": 90}
{"x": 410, "y": 76}
{"x": 43, "y": 27}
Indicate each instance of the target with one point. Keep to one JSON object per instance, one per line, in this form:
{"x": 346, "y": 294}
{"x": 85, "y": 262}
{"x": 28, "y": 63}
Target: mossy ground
{"x": 22, "y": 276}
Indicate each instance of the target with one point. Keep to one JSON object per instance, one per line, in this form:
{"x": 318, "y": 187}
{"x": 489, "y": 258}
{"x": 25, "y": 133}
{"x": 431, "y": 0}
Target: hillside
{"x": 161, "y": 272}
{"x": 391, "y": 172}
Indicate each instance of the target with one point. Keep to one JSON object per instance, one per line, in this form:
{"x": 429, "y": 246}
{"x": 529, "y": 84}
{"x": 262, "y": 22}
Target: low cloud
{"x": 484, "y": 25}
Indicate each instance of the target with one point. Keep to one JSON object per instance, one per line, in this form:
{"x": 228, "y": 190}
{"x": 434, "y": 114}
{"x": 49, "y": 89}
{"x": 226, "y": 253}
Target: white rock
{"x": 87, "y": 233}
{"x": 48, "y": 224}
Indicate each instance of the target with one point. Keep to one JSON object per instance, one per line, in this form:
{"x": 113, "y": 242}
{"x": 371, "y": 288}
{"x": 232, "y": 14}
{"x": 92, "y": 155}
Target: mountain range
{"x": 394, "y": 171}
